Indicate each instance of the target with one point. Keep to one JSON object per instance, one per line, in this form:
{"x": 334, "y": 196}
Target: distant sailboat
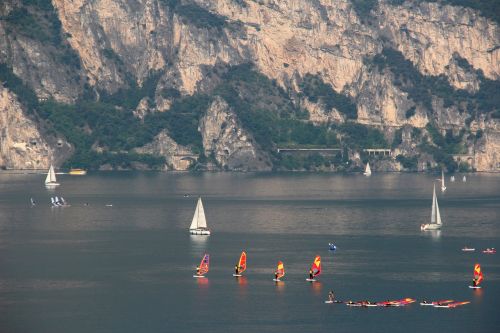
{"x": 435, "y": 215}
{"x": 452, "y": 178}
{"x": 443, "y": 187}
{"x": 280, "y": 272}
{"x": 199, "y": 223}
{"x": 464, "y": 179}
{"x": 368, "y": 171}
{"x": 315, "y": 269}
{"x": 242, "y": 265}
{"x": 478, "y": 277}
{"x": 50, "y": 180}
{"x": 32, "y": 201}
{"x": 204, "y": 267}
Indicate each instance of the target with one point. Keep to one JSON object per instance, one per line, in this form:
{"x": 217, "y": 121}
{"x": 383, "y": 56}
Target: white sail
{"x": 199, "y": 220}
{"x": 368, "y": 171}
{"x": 443, "y": 187}
{"x": 464, "y": 179}
{"x": 51, "y": 176}
{"x": 435, "y": 215}
{"x": 438, "y": 215}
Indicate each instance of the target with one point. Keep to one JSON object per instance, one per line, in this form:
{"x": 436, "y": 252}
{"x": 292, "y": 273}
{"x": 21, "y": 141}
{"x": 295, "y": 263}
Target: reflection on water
{"x": 316, "y": 287}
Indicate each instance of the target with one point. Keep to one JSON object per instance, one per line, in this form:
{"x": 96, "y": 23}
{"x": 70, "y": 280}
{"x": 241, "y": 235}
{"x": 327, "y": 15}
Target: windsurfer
{"x": 474, "y": 282}
{"x": 236, "y": 269}
{"x": 311, "y": 274}
{"x": 276, "y": 276}
{"x": 197, "y": 270}
{"x": 331, "y": 296}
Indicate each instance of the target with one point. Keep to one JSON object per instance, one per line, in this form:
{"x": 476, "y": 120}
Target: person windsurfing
{"x": 197, "y": 270}
{"x": 311, "y": 274}
{"x": 276, "y": 275}
{"x": 236, "y": 269}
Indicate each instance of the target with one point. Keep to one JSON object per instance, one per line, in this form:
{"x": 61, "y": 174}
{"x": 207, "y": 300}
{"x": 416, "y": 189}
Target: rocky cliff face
{"x": 120, "y": 42}
{"x": 22, "y": 144}
{"x": 224, "y": 140}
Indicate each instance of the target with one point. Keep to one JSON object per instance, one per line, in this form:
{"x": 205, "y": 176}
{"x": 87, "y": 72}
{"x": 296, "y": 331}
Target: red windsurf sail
{"x": 242, "y": 264}
{"x": 478, "y": 275}
{"x": 204, "y": 265}
{"x": 280, "y": 271}
{"x": 316, "y": 266}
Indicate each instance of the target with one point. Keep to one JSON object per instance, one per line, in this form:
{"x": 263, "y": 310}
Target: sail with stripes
{"x": 280, "y": 270}
{"x": 316, "y": 266}
{"x": 242, "y": 263}
{"x": 204, "y": 265}
{"x": 478, "y": 275}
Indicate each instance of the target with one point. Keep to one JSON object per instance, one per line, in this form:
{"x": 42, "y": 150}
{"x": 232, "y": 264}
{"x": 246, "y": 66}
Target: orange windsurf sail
{"x": 316, "y": 266}
{"x": 242, "y": 264}
{"x": 204, "y": 265}
{"x": 280, "y": 271}
{"x": 478, "y": 275}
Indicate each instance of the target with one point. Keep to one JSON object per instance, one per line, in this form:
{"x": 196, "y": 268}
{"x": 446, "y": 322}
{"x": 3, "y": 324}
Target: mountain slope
{"x": 133, "y": 83}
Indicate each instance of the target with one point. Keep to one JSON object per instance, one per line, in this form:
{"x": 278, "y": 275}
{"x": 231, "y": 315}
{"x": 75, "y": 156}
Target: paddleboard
{"x": 276, "y": 280}
{"x": 237, "y": 275}
{"x": 198, "y": 276}
{"x": 311, "y": 280}
{"x": 328, "y": 302}
{"x": 475, "y": 287}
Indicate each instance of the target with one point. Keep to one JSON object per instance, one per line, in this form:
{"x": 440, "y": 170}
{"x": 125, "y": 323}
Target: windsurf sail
{"x": 242, "y": 264}
{"x": 204, "y": 265}
{"x": 478, "y": 275}
{"x": 280, "y": 270}
{"x": 316, "y": 266}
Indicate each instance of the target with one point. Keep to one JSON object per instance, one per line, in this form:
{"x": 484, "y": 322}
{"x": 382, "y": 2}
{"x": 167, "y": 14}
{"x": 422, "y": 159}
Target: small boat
{"x": 368, "y": 171}
{"x": 199, "y": 223}
{"x": 280, "y": 272}
{"x": 478, "y": 277}
{"x": 452, "y": 178}
{"x": 468, "y": 249}
{"x": 32, "y": 201}
{"x": 401, "y": 302}
{"x": 315, "y": 269}
{"x": 50, "y": 180}
{"x": 446, "y": 301}
{"x": 77, "y": 172}
{"x": 464, "y": 179}
{"x": 332, "y": 247}
{"x": 490, "y": 251}
{"x": 435, "y": 215}
{"x": 451, "y": 305}
{"x": 241, "y": 266}
{"x": 204, "y": 267}
{"x": 443, "y": 187}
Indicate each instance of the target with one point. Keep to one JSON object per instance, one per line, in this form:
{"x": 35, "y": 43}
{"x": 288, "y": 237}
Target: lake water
{"x": 129, "y": 267}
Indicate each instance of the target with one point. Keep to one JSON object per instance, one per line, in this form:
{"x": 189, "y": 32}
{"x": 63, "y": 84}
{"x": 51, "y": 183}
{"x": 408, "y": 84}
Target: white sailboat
{"x": 464, "y": 179}
{"x": 50, "y": 180}
{"x": 368, "y": 171}
{"x": 435, "y": 215}
{"x": 199, "y": 223}
{"x": 443, "y": 187}
{"x": 452, "y": 178}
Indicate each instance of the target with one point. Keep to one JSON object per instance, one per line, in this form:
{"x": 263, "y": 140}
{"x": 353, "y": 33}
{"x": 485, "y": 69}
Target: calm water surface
{"x": 129, "y": 267}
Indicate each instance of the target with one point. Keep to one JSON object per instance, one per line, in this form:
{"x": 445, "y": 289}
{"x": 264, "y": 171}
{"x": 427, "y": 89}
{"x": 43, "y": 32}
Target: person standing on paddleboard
{"x": 331, "y": 296}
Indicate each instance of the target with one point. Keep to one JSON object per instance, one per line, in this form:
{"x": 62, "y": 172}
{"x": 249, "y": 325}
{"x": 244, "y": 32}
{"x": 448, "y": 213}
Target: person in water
{"x": 331, "y": 296}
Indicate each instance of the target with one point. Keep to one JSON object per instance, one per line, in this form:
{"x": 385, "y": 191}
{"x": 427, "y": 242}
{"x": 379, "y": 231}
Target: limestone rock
{"x": 22, "y": 144}
{"x": 227, "y": 142}
{"x": 177, "y": 156}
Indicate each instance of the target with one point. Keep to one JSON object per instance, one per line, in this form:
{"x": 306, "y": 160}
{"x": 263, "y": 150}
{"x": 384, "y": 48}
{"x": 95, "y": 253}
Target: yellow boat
{"x": 77, "y": 172}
